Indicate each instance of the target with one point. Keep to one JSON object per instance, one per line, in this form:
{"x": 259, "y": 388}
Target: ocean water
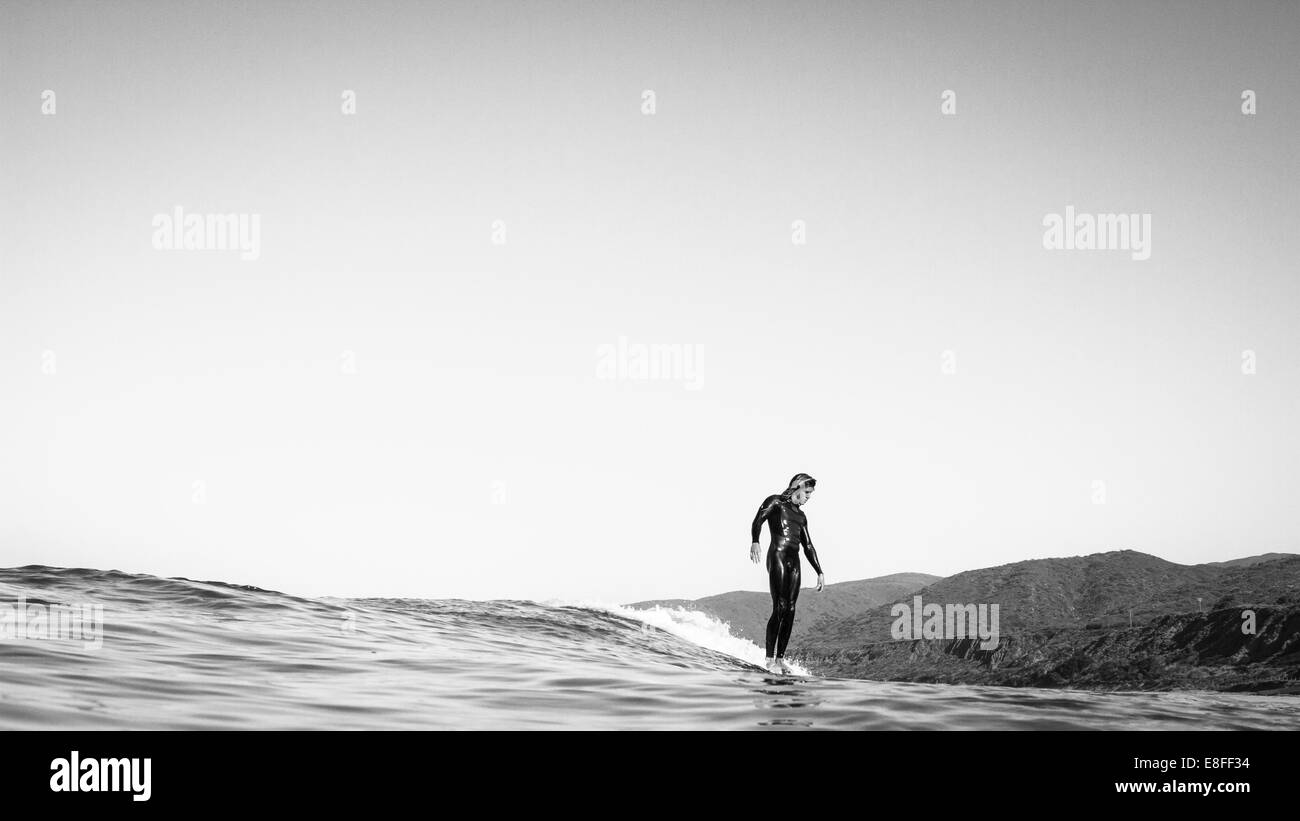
{"x": 180, "y": 654}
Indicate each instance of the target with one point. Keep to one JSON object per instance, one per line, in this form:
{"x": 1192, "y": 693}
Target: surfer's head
{"x": 801, "y": 487}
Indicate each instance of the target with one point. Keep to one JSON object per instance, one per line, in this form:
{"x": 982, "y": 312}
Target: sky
{"x": 474, "y": 218}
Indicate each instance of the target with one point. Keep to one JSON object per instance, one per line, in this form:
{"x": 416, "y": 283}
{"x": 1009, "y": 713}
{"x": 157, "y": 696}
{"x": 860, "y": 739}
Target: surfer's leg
{"x": 789, "y": 596}
{"x": 775, "y": 575}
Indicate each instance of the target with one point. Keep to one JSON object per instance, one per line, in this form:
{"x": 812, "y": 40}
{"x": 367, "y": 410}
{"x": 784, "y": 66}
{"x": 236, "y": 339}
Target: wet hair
{"x": 797, "y": 481}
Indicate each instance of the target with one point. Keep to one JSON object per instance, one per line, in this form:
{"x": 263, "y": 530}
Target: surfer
{"x": 789, "y": 529}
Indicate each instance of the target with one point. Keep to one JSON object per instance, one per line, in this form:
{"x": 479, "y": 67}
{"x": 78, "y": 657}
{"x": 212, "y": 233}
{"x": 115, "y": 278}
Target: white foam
{"x": 694, "y": 626}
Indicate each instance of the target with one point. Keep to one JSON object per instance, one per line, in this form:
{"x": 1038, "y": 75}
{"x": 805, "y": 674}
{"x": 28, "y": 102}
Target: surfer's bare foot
{"x": 771, "y": 665}
{"x": 782, "y": 667}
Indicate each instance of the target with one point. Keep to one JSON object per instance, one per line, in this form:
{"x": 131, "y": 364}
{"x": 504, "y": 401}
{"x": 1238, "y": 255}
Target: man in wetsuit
{"x": 789, "y": 529}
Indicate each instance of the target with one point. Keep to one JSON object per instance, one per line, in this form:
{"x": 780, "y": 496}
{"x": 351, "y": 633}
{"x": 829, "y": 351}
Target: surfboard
{"x": 784, "y": 677}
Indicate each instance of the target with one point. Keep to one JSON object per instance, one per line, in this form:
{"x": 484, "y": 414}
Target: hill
{"x": 1102, "y": 589}
{"x": 1063, "y": 620}
{"x": 1248, "y": 560}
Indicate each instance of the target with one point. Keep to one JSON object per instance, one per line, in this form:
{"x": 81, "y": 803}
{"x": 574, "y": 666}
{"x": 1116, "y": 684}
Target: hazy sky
{"x": 389, "y": 402}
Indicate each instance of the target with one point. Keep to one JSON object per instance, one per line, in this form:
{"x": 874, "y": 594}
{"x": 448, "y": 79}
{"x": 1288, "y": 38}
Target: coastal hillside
{"x": 1121, "y": 619}
{"x": 1248, "y": 560}
{"x": 1103, "y": 589}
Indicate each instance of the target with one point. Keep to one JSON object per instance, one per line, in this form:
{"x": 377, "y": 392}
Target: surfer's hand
{"x": 821, "y": 581}
{"x": 754, "y": 550}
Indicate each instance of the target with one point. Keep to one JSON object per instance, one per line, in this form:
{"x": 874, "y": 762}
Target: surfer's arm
{"x": 810, "y": 551}
{"x": 763, "y": 510}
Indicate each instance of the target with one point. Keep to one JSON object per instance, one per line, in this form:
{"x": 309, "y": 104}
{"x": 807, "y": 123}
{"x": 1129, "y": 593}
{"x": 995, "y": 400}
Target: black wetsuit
{"x": 789, "y": 528}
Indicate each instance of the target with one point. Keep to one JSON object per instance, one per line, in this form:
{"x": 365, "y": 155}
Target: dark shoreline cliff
{"x": 1121, "y": 620}
{"x": 1184, "y": 651}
